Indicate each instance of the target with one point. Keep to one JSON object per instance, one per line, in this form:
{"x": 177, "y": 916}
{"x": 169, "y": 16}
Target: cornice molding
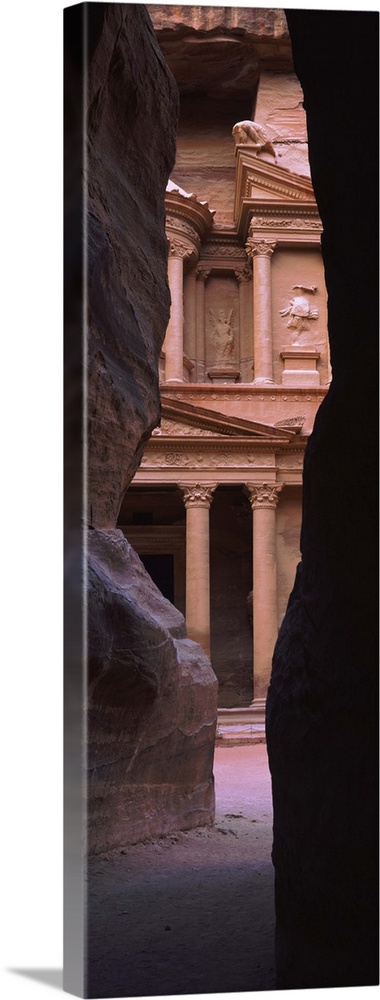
{"x": 219, "y": 423}
{"x": 195, "y": 392}
{"x": 188, "y": 212}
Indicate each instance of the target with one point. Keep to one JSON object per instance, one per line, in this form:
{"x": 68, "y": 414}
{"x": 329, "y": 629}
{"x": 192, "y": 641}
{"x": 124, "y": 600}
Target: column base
{"x": 263, "y": 381}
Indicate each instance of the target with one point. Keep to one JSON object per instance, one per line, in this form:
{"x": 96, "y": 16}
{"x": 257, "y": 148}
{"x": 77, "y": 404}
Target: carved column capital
{"x": 202, "y": 274}
{"x": 180, "y": 250}
{"x": 243, "y": 274}
{"x": 263, "y": 495}
{"x": 197, "y": 494}
{"x": 259, "y": 248}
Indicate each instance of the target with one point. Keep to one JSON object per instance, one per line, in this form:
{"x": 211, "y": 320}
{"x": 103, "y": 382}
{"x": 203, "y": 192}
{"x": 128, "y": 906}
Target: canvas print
{"x": 221, "y": 261}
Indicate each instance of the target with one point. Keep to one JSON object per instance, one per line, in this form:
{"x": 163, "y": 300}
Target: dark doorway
{"x": 161, "y": 569}
{"x": 231, "y": 582}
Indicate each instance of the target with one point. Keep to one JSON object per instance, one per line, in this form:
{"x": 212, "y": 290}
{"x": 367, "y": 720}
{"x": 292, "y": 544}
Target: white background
{"x": 31, "y": 493}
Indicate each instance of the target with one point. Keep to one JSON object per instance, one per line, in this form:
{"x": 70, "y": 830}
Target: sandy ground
{"x": 192, "y": 912}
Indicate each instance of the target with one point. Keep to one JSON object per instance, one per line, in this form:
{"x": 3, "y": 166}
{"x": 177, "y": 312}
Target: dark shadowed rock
{"x": 132, "y": 120}
{"x": 152, "y": 696}
{"x": 152, "y": 706}
{"x": 322, "y": 707}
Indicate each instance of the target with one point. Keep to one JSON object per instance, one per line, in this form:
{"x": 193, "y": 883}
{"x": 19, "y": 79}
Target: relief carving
{"x": 294, "y": 423}
{"x": 222, "y": 335}
{"x": 264, "y": 222}
{"x": 218, "y": 459}
{"x": 251, "y": 134}
{"x": 175, "y": 458}
{"x": 300, "y": 311}
{"x": 222, "y": 250}
{"x": 182, "y": 430}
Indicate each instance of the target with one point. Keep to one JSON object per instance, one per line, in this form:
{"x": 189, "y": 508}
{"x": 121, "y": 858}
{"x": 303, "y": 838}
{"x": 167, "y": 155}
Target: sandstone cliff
{"x": 152, "y": 710}
{"x": 322, "y": 706}
{"x": 151, "y": 706}
{"x": 132, "y": 119}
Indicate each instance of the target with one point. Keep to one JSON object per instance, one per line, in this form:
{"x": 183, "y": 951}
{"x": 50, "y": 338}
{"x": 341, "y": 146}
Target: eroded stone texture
{"x": 132, "y": 118}
{"x": 152, "y": 706}
{"x": 322, "y": 706}
{"x": 152, "y": 698}
{"x": 216, "y": 55}
{"x": 229, "y": 44}
{"x": 284, "y": 119}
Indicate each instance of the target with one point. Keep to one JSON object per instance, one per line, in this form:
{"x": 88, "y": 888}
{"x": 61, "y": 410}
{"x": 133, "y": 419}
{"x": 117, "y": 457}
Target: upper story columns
{"x": 187, "y": 222}
{"x": 173, "y": 343}
{"x": 261, "y": 251}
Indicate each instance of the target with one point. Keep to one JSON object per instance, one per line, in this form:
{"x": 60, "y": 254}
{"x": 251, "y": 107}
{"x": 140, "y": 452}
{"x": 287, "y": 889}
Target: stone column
{"x": 190, "y": 317}
{"x": 244, "y": 276}
{"x": 197, "y": 500}
{"x": 202, "y": 276}
{"x": 173, "y": 343}
{"x": 261, "y": 252}
{"x": 263, "y": 499}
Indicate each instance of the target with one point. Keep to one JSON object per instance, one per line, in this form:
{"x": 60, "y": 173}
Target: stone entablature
{"x": 223, "y": 253}
{"x": 186, "y": 216}
{"x": 265, "y": 405}
{"x": 193, "y": 442}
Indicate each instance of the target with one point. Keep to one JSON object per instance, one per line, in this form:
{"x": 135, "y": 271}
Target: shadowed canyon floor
{"x": 192, "y": 912}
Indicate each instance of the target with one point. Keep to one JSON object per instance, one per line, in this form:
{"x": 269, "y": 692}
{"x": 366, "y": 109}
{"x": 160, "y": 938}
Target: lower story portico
{"x": 214, "y": 513}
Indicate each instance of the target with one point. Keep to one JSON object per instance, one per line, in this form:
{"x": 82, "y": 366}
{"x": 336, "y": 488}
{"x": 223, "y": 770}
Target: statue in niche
{"x": 300, "y": 311}
{"x": 222, "y": 335}
{"x": 251, "y": 134}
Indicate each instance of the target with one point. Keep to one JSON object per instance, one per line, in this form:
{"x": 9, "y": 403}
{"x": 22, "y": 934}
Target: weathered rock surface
{"x": 220, "y": 49}
{"x": 322, "y": 706}
{"x": 152, "y": 706}
{"x": 282, "y": 115}
{"x": 132, "y": 119}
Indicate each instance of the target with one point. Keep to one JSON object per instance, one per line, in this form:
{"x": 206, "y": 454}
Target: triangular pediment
{"x": 264, "y": 181}
{"x": 180, "y": 419}
{"x": 263, "y": 187}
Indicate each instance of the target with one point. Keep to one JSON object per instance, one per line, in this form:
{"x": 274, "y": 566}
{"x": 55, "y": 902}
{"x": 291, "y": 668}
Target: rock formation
{"x": 152, "y": 709}
{"x": 151, "y": 705}
{"x": 322, "y": 706}
{"x": 132, "y": 118}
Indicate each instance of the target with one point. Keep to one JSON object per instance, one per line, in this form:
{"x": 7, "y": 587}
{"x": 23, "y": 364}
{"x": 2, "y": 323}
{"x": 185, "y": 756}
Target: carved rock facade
{"x": 236, "y": 390}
